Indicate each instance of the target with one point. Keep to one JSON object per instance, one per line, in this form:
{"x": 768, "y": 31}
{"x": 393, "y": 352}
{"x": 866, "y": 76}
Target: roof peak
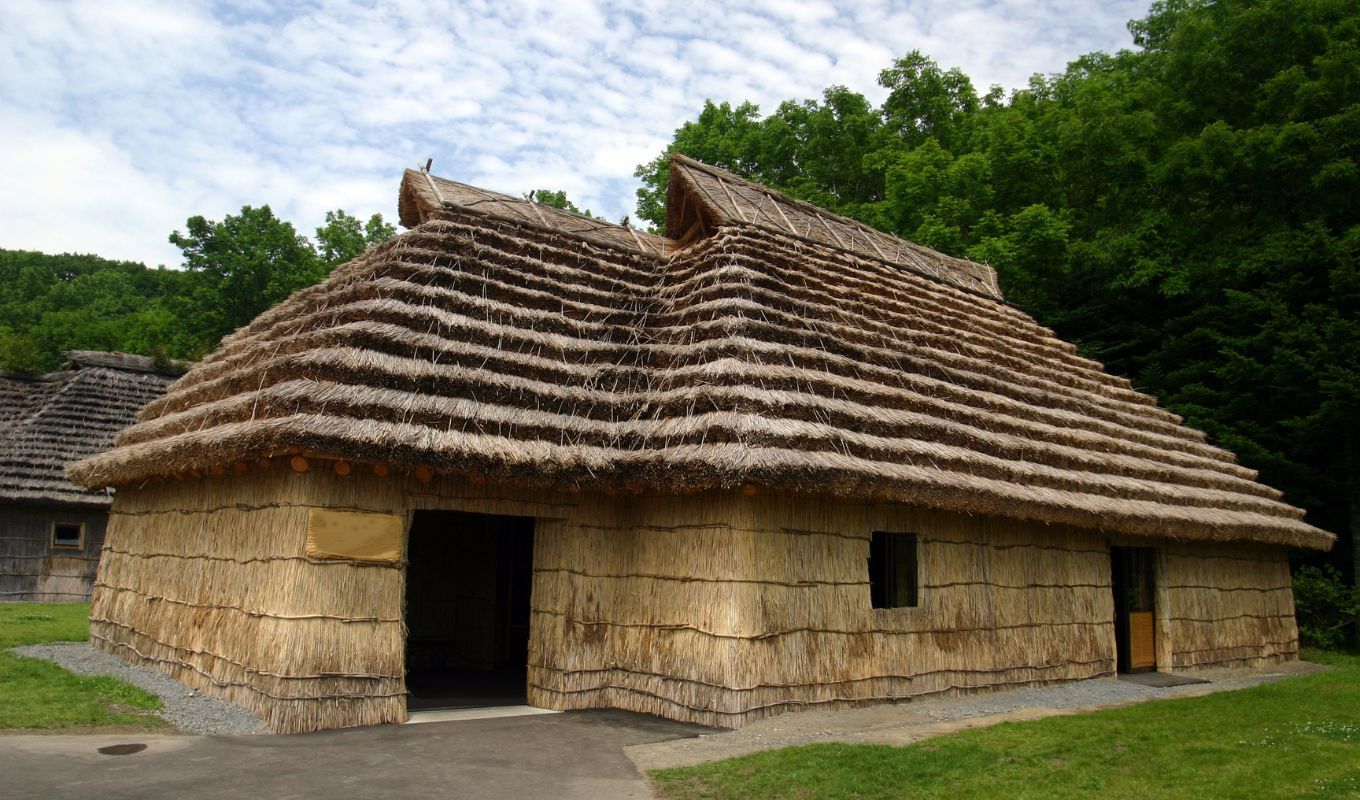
{"x": 697, "y": 190}
{"x": 424, "y": 196}
{"x": 127, "y": 362}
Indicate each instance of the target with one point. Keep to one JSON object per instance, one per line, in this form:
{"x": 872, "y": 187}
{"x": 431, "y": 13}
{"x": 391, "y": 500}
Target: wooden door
{"x": 1135, "y": 616}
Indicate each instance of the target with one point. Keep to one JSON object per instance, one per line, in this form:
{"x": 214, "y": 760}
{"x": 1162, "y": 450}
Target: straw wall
{"x": 1228, "y": 606}
{"x": 724, "y": 609}
{"x": 206, "y": 580}
{"x": 31, "y": 569}
{"x": 717, "y": 609}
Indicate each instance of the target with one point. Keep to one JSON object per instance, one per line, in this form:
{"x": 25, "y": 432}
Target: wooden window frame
{"x": 80, "y": 537}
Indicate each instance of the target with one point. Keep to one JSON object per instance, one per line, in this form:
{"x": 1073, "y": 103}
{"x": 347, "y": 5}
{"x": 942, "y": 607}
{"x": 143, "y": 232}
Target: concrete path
{"x": 576, "y": 755}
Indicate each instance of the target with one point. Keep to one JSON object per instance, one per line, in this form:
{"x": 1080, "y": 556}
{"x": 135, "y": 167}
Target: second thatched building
{"x": 52, "y": 531}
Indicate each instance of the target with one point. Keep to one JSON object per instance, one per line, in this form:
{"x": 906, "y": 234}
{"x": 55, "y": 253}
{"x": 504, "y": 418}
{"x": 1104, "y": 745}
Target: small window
{"x": 892, "y": 570}
{"x": 68, "y": 534}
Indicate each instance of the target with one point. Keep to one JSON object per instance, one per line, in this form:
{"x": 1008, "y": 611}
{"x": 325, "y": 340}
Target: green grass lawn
{"x": 1294, "y": 738}
{"x": 37, "y": 694}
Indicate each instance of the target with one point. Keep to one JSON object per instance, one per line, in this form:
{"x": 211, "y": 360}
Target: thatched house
{"x": 50, "y": 529}
{"x": 772, "y": 460}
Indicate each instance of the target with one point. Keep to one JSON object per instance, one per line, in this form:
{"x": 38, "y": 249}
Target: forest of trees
{"x": 1182, "y": 210}
{"x": 233, "y": 270}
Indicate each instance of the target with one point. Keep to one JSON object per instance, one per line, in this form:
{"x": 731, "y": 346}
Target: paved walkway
{"x": 574, "y": 756}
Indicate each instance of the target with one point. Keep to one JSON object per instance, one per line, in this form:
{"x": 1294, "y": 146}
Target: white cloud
{"x": 75, "y": 191}
{"x": 119, "y": 119}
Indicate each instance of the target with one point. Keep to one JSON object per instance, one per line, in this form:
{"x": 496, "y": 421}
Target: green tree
{"x": 20, "y": 354}
{"x": 924, "y": 101}
{"x": 344, "y": 238}
{"x": 825, "y": 151}
{"x": 557, "y": 198}
{"x": 247, "y": 263}
{"x": 51, "y": 303}
{"x": 235, "y": 269}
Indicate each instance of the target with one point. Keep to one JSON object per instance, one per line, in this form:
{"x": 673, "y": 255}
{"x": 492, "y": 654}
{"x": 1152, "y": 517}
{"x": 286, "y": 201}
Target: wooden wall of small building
{"x": 31, "y": 569}
{"x": 717, "y": 609}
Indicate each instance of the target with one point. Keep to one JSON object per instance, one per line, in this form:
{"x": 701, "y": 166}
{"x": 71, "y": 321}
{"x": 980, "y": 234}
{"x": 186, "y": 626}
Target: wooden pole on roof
{"x": 740, "y": 214}
{"x": 299, "y": 463}
{"x": 868, "y": 237}
{"x": 831, "y": 231}
{"x": 782, "y": 215}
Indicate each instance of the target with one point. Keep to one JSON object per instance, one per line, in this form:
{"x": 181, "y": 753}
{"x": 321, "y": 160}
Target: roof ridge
{"x": 125, "y": 362}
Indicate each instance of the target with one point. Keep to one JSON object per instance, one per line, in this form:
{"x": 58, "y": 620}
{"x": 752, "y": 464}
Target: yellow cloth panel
{"x": 355, "y": 535}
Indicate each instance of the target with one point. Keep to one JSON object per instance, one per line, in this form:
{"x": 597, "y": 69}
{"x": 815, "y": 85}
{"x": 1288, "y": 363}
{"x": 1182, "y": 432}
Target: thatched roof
{"x": 765, "y": 345}
{"x": 48, "y": 421}
{"x": 701, "y": 198}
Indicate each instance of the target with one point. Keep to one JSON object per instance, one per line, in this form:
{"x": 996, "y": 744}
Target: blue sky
{"x": 118, "y": 120}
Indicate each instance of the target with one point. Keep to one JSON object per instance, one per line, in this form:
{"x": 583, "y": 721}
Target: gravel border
{"x": 187, "y": 709}
{"x": 1077, "y": 694}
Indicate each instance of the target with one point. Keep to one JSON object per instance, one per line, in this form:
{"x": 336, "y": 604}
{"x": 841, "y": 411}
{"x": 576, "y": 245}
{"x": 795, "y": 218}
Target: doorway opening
{"x": 1135, "y": 619}
{"x": 468, "y": 581}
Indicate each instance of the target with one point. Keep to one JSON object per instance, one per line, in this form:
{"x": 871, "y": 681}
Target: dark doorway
{"x": 468, "y": 579}
{"x": 1135, "y": 627}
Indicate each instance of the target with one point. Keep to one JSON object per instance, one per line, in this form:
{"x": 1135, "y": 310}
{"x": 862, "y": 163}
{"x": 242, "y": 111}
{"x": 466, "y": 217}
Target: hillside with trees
{"x": 1183, "y": 210}
{"x": 233, "y": 270}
